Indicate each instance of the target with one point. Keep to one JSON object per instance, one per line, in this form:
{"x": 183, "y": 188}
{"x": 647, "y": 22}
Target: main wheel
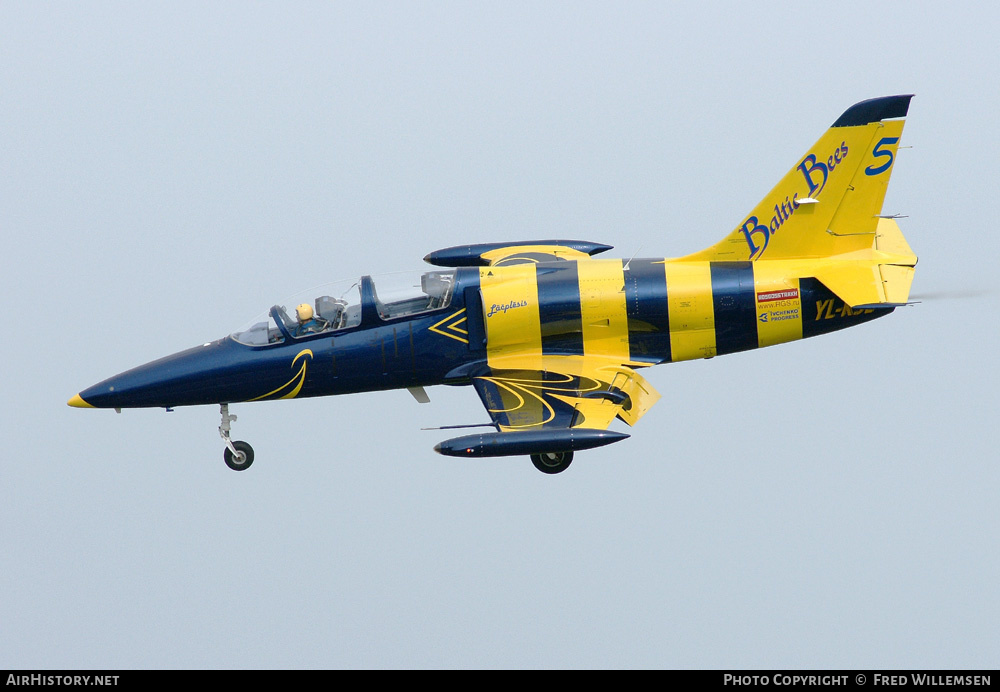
{"x": 243, "y": 457}
{"x": 552, "y": 462}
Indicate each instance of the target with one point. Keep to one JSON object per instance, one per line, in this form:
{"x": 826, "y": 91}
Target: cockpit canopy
{"x": 338, "y": 306}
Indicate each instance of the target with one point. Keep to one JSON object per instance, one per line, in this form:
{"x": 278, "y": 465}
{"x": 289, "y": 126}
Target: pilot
{"x": 308, "y": 324}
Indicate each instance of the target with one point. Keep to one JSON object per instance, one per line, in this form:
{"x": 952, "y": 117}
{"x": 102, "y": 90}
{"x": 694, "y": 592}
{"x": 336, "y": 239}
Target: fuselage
{"x": 638, "y": 312}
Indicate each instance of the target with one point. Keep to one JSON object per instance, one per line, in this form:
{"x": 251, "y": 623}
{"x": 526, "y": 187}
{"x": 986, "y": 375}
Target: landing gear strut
{"x": 552, "y": 462}
{"x": 238, "y": 454}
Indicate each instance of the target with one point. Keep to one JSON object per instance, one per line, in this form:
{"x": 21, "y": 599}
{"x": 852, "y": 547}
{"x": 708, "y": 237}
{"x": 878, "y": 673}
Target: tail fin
{"x": 829, "y": 203}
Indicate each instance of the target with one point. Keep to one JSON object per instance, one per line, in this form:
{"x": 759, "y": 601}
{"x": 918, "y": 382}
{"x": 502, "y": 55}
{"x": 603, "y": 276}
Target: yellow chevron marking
{"x": 453, "y": 327}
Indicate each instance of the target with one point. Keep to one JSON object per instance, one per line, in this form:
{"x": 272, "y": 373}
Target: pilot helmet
{"x": 304, "y": 312}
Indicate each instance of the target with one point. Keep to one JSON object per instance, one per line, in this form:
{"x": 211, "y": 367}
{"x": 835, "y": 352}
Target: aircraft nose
{"x": 113, "y": 392}
{"x": 78, "y": 402}
{"x": 195, "y": 376}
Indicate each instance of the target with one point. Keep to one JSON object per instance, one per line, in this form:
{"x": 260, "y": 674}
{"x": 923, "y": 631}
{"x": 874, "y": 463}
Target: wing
{"x": 563, "y": 404}
{"x": 490, "y": 254}
{"x": 568, "y": 392}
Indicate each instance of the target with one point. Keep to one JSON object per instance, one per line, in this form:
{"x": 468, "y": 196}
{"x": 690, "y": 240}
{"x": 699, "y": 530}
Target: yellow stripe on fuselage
{"x": 602, "y": 309}
{"x": 691, "y": 310}
{"x": 510, "y": 306}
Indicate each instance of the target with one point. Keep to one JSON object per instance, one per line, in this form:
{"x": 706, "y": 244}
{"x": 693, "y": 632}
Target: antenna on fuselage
{"x": 625, "y": 268}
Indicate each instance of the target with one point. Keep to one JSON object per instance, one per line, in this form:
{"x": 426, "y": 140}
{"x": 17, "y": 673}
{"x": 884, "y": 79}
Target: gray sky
{"x": 169, "y": 170}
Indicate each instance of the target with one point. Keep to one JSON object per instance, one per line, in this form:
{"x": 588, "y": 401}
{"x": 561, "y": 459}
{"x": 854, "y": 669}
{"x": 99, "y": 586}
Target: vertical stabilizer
{"x": 829, "y": 203}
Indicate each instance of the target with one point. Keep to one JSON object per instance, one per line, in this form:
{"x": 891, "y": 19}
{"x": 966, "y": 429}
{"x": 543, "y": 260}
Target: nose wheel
{"x": 239, "y": 454}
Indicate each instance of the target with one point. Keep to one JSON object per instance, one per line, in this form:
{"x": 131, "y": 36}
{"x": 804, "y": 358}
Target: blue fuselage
{"x": 444, "y": 345}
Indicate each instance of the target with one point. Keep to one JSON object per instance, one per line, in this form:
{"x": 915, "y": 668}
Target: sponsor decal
{"x": 779, "y": 315}
{"x": 778, "y": 306}
{"x": 787, "y": 294}
{"x": 494, "y": 309}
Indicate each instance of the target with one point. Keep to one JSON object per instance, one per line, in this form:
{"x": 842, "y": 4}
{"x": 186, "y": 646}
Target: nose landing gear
{"x": 238, "y": 454}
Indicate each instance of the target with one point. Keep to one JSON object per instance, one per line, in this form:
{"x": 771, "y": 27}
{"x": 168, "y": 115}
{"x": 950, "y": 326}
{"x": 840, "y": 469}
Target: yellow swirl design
{"x": 528, "y": 390}
{"x": 294, "y": 385}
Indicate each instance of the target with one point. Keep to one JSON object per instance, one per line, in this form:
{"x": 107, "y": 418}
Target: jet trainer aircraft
{"x": 552, "y": 339}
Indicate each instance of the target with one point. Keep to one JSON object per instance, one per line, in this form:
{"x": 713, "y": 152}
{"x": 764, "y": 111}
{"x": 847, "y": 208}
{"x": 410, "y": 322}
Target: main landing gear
{"x": 238, "y": 454}
{"x": 552, "y": 462}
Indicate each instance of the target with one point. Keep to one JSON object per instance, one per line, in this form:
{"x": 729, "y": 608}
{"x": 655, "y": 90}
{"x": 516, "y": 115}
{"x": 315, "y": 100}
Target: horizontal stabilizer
{"x": 896, "y": 281}
{"x": 880, "y": 275}
{"x": 855, "y": 283}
